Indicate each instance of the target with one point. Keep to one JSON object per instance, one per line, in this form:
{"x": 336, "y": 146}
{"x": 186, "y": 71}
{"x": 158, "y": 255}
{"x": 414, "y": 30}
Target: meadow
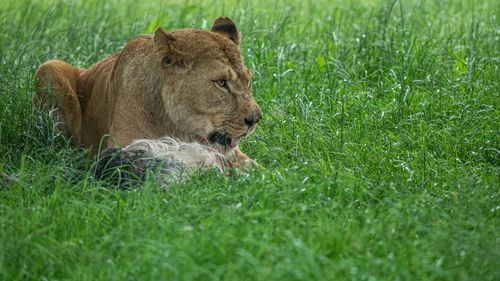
{"x": 380, "y": 135}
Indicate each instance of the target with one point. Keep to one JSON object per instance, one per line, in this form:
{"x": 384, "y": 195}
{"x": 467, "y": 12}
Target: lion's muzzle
{"x": 254, "y": 116}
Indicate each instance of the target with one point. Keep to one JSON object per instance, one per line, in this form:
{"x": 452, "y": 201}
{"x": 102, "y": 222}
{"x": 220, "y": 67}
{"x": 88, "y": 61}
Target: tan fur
{"x": 159, "y": 85}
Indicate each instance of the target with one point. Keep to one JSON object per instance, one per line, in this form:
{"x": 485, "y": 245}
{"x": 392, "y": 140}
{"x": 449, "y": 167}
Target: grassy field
{"x": 381, "y": 136}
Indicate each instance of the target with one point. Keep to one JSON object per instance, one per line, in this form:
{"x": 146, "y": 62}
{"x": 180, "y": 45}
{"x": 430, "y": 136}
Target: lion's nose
{"x": 250, "y": 121}
{"x": 253, "y": 118}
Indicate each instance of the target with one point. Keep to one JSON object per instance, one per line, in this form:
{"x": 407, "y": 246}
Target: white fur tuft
{"x": 193, "y": 155}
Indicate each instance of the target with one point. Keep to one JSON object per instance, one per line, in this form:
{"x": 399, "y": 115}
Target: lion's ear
{"x": 226, "y": 27}
{"x": 165, "y": 47}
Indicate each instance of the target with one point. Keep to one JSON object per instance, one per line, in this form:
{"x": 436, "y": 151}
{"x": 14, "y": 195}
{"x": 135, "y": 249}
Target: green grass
{"x": 381, "y": 136}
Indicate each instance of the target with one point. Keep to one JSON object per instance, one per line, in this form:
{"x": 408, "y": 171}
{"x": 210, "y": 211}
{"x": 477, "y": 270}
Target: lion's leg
{"x": 244, "y": 160}
{"x": 56, "y": 87}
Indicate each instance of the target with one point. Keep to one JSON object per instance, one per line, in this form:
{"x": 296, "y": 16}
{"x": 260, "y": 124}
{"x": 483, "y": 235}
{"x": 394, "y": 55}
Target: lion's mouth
{"x": 223, "y": 139}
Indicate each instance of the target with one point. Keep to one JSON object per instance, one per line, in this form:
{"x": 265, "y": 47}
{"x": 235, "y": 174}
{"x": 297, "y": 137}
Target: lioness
{"x": 188, "y": 84}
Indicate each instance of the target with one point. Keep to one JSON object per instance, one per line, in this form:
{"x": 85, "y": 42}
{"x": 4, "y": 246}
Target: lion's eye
{"x": 222, "y": 83}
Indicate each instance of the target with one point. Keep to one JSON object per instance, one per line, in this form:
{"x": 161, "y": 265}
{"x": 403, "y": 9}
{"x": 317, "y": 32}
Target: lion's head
{"x": 207, "y": 92}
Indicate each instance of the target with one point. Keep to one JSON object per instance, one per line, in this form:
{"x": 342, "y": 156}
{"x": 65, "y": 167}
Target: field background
{"x": 381, "y": 136}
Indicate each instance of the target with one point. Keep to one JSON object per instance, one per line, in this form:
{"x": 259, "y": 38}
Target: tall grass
{"x": 380, "y": 135}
